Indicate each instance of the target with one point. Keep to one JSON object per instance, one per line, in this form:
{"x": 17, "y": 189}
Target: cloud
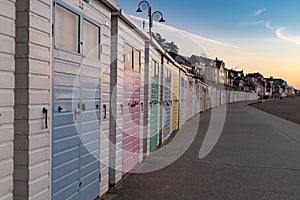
{"x": 268, "y": 25}
{"x": 191, "y": 43}
{"x": 252, "y": 23}
{"x": 280, "y": 32}
{"x": 259, "y": 12}
{"x": 281, "y": 35}
{"x": 173, "y": 29}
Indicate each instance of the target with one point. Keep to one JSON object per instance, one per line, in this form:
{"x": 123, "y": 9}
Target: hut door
{"x": 182, "y": 102}
{"x": 167, "y": 104}
{"x": 131, "y": 113}
{"x": 76, "y": 106}
{"x": 175, "y": 102}
{"x": 154, "y": 106}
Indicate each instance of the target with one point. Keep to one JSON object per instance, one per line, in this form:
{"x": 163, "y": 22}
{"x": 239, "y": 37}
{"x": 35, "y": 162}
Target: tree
{"x": 159, "y": 39}
{"x": 171, "y": 47}
{"x": 167, "y": 46}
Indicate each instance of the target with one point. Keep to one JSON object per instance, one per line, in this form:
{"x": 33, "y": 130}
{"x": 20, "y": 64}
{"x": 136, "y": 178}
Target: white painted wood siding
{"x": 7, "y": 84}
{"x": 33, "y": 86}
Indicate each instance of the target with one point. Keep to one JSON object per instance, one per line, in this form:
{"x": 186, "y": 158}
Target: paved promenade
{"x": 256, "y": 157}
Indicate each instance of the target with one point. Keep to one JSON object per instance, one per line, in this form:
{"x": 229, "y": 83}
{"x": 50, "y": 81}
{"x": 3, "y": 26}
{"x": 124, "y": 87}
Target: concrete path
{"x": 256, "y": 157}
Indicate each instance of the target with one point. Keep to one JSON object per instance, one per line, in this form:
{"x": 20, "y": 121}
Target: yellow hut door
{"x": 175, "y": 102}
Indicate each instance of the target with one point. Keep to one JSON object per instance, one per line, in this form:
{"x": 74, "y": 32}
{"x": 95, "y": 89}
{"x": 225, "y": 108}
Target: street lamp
{"x": 156, "y": 16}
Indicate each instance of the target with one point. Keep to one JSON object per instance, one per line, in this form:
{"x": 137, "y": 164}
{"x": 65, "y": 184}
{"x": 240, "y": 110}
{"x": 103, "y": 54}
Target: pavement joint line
{"x": 243, "y": 165}
{"x": 284, "y": 133}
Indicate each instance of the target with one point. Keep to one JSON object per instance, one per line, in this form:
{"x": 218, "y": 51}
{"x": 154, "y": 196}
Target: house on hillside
{"x": 290, "y": 91}
{"x": 257, "y": 81}
{"x": 183, "y": 60}
{"x": 258, "y": 78}
{"x": 199, "y": 62}
{"x": 236, "y": 79}
{"x": 280, "y": 86}
{"x": 222, "y": 72}
{"x": 208, "y": 68}
{"x": 191, "y": 68}
{"x": 270, "y": 87}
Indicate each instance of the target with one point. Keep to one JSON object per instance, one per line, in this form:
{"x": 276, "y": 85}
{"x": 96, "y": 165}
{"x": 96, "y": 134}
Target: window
{"x": 128, "y": 57}
{"x": 137, "y": 60}
{"x": 155, "y": 69}
{"x": 90, "y": 40}
{"x": 152, "y": 69}
{"x": 168, "y": 76}
{"x": 66, "y": 29}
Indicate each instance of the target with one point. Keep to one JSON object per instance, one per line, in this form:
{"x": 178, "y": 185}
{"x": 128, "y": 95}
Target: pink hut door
{"x": 131, "y": 113}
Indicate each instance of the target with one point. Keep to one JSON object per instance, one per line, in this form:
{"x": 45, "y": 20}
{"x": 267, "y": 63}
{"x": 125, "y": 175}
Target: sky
{"x": 256, "y": 36}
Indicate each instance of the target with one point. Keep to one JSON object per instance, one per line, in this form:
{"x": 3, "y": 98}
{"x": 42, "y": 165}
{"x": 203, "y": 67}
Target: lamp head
{"x": 143, "y": 5}
{"x": 162, "y": 20}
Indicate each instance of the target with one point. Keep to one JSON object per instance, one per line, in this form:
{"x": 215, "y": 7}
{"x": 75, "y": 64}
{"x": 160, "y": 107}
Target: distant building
{"x": 280, "y": 88}
{"x": 222, "y": 72}
{"x": 270, "y": 87}
{"x": 213, "y": 71}
{"x": 259, "y": 82}
{"x": 199, "y": 62}
{"x": 291, "y": 91}
{"x": 236, "y": 79}
{"x": 185, "y": 63}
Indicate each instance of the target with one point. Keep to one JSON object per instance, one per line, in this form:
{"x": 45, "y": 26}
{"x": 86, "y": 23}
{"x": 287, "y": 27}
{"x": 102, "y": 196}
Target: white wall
{"x": 7, "y": 67}
{"x": 33, "y": 87}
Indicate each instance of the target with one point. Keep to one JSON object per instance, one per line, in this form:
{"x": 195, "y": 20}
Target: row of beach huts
{"x": 85, "y": 96}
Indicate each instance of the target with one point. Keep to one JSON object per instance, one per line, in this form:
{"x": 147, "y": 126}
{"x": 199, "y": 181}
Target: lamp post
{"x": 156, "y": 15}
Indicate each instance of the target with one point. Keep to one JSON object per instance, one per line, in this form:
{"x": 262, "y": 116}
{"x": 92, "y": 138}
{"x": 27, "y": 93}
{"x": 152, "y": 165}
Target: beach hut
{"x": 62, "y": 96}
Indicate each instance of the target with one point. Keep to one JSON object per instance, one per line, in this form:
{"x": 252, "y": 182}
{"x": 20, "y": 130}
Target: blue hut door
{"x": 76, "y": 107}
{"x": 154, "y": 105}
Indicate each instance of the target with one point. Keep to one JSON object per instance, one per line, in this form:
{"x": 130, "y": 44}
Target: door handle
{"x": 104, "y": 110}
{"x": 45, "y": 116}
{"x": 121, "y": 105}
{"x": 61, "y": 109}
{"x": 83, "y": 107}
{"x": 77, "y": 112}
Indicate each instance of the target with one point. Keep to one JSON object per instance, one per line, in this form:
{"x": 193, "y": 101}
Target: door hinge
{"x": 99, "y": 177}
